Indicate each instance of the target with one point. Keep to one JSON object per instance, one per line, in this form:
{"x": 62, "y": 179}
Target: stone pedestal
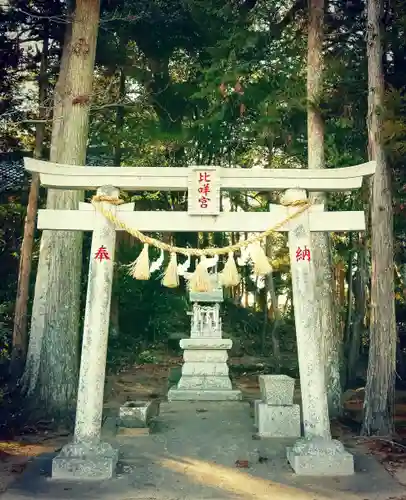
{"x": 205, "y": 374}
{"x": 275, "y": 414}
{"x": 317, "y": 454}
{"x": 84, "y": 461}
{"x": 278, "y": 421}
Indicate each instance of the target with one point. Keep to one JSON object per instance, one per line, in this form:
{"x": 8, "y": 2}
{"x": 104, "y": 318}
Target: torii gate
{"x": 87, "y": 457}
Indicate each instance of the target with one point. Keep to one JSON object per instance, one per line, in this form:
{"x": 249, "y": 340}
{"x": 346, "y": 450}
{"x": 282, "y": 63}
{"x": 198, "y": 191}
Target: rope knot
{"x": 114, "y": 200}
{"x": 295, "y": 203}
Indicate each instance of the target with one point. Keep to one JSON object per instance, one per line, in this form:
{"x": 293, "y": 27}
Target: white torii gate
{"x": 87, "y": 457}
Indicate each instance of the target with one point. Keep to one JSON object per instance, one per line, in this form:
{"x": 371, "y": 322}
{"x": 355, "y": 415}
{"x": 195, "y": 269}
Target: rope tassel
{"x": 229, "y": 276}
{"x": 171, "y": 277}
{"x": 139, "y": 269}
{"x": 200, "y": 280}
{"x": 261, "y": 263}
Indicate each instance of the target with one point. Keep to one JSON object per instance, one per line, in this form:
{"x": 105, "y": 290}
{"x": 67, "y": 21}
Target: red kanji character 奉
{"x": 205, "y": 189}
{"x": 302, "y": 254}
{"x": 204, "y": 177}
{"x": 102, "y": 254}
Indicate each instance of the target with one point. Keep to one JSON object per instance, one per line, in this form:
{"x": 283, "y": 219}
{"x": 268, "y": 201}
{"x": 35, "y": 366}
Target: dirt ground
{"x": 151, "y": 380}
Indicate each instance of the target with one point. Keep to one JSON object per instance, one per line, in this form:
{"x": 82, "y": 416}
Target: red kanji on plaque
{"x": 203, "y": 201}
{"x": 204, "y": 177}
{"x": 102, "y": 254}
{"x": 204, "y": 189}
{"x": 302, "y": 254}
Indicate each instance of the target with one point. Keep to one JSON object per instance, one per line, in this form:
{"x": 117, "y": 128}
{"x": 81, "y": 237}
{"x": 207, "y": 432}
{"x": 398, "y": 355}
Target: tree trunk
{"x": 56, "y": 311}
{"x": 359, "y": 288}
{"x": 379, "y": 391}
{"x": 30, "y": 375}
{"x": 120, "y": 112}
{"x": 348, "y": 331}
{"x": 320, "y": 241}
{"x": 276, "y": 316}
{"x": 340, "y": 293}
{"x": 20, "y": 337}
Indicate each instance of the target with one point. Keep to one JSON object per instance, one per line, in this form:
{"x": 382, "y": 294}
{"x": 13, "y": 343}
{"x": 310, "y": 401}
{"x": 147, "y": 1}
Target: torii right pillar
{"x": 316, "y": 454}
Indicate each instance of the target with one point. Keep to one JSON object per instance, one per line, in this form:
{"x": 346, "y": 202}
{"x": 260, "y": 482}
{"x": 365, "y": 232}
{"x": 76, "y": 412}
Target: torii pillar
{"x": 87, "y": 457}
{"x": 317, "y": 454}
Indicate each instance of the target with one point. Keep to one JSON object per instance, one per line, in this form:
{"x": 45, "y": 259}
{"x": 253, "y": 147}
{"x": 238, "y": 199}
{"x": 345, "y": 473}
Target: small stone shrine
{"x": 205, "y": 371}
{"x": 275, "y": 414}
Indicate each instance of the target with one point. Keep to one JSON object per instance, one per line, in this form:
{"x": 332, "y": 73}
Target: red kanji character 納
{"x": 302, "y": 254}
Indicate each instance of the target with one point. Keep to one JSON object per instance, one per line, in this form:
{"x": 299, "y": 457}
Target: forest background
{"x": 182, "y": 82}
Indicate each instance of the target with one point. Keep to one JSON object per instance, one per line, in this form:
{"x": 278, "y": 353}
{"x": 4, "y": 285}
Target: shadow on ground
{"x": 193, "y": 456}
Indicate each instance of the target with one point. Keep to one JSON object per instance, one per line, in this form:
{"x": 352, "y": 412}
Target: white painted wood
{"x": 88, "y": 207}
{"x": 172, "y": 179}
{"x": 96, "y": 326}
{"x": 308, "y": 330}
{"x": 198, "y": 178}
{"x": 84, "y": 219}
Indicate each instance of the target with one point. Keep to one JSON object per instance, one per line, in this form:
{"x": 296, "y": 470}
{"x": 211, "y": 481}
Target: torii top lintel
{"x": 54, "y": 175}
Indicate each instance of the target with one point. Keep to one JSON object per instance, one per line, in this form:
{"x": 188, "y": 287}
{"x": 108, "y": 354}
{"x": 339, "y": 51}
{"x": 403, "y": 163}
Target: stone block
{"x": 205, "y": 383}
{"x": 205, "y": 356}
{"x": 138, "y": 414}
{"x": 206, "y": 344}
{"x": 215, "y": 295}
{"x": 205, "y": 369}
{"x": 320, "y": 457}
{"x": 175, "y": 394}
{"x": 277, "y": 389}
{"x": 257, "y": 402}
{"x": 84, "y": 461}
{"x": 278, "y": 421}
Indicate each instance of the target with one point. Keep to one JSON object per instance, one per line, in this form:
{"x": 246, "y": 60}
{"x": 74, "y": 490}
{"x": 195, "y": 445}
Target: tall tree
{"x": 380, "y": 387}
{"x": 20, "y": 334}
{"x": 321, "y": 241}
{"x": 52, "y": 364}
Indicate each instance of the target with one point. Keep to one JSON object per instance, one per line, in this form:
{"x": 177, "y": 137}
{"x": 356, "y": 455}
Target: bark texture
{"x": 20, "y": 332}
{"x": 52, "y": 367}
{"x": 379, "y": 392}
{"x": 321, "y": 252}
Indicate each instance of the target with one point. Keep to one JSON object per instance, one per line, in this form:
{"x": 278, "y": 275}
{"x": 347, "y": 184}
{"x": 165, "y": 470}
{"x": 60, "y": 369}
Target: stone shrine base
{"x": 82, "y": 461}
{"x": 277, "y": 421}
{"x": 320, "y": 457}
{"x": 205, "y": 374}
{"x": 175, "y": 394}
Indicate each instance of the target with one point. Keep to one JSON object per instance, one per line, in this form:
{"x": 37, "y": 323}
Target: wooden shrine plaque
{"x": 204, "y": 191}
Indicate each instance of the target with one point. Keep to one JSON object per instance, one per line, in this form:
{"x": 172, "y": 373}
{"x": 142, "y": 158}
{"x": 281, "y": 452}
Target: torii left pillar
{"x": 87, "y": 457}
